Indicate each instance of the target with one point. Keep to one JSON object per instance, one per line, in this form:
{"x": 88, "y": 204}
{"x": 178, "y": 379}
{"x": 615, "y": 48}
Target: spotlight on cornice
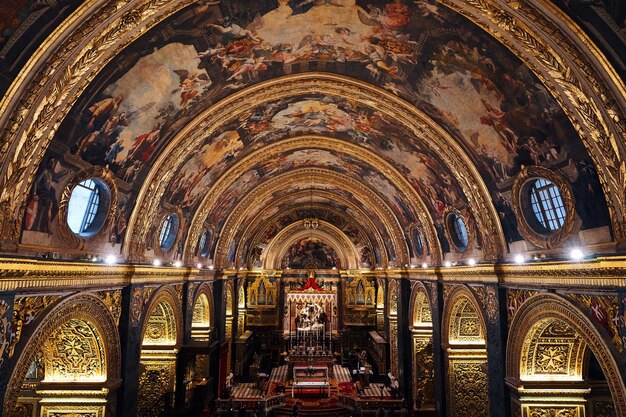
{"x": 413, "y": 266}
{"x": 199, "y": 265}
{"x": 94, "y": 259}
{"x": 110, "y": 260}
{"x": 471, "y": 261}
{"x": 156, "y": 262}
{"x": 424, "y": 265}
{"x": 519, "y": 259}
{"x": 576, "y": 254}
{"x": 178, "y": 264}
{"x": 447, "y": 264}
{"x": 211, "y": 267}
{"x": 241, "y": 268}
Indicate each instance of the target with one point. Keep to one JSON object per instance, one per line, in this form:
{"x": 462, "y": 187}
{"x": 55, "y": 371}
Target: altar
{"x": 310, "y": 378}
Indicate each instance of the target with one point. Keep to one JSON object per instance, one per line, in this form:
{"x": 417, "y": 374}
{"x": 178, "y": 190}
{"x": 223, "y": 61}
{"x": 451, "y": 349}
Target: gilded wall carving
{"x": 468, "y": 388}
{"x": 161, "y": 327}
{"x": 73, "y": 335}
{"x": 548, "y": 308}
{"x": 156, "y": 384}
{"x": 25, "y": 310}
{"x": 547, "y": 411}
{"x": 75, "y": 352}
{"x": 113, "y": 300}
{"x": 423, "y": 371}
{"x": 489, "y": 300}
{"x": 5, "y": 324}
{"x": 604, "y": 309}
{"x": 514, "y": 300}
{"x": 421, "y": 308}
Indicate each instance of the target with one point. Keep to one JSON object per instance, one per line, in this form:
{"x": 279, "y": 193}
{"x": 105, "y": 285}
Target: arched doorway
{"x": 161, "y": 336}
{"x": 76, "y": 344}
{"x": 558, "y": 363}
{"x": 421, "y": 327}
{"x": 464, "y": 337}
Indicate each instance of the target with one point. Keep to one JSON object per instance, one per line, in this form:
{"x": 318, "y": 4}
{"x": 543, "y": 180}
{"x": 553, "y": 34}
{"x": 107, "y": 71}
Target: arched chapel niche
{"x": 161, "y": 336}
{"x": 76, "y": 344}
{"x": 421, "y": 329}
{"x": 201, "y": 319}
{"x": 554, "y": 349}
{"x": 464, "y": 337}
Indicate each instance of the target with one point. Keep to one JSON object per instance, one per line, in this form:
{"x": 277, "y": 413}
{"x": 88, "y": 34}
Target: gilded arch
{"x": 201, "y": 316}
{"x": 82, "y": 308}
{"x": 278, "y": 247}
{"x": 547, "y": 308}
{"x": 189, "y": 137}
{"x": 464, "y": 335}
{"x": 163, "y": 322}
{"x": 463, "y": 321}
{"x": 421, "y": 329}
{"x": 294, "y": 177}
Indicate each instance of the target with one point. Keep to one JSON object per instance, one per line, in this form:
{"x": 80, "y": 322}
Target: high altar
{"x": 311, "y": 317}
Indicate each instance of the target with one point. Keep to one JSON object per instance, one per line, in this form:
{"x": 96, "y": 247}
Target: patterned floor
{"x": 280, "y": 374}
{"x": 246, "y": 390}
{"x": 341, "y": 374}
{"x": 376, "y": 390}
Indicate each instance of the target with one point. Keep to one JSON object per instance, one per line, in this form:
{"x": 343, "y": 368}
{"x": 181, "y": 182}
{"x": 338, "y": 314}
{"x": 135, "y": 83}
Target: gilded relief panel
{"x": 551, "y": 411}
{"x": 156, "y": 384}
{"x": 423, "y": 371}
{"x": 468, "y": 388}
{"x": 75, "y": 351}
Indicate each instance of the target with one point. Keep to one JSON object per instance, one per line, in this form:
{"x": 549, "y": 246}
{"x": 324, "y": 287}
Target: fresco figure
{"x": 507, "y": 219}
{"x": 43, "y": 206}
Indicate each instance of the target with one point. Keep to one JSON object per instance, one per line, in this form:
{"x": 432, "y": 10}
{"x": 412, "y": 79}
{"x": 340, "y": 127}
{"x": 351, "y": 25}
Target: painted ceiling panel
{"x": 474, "y": 88}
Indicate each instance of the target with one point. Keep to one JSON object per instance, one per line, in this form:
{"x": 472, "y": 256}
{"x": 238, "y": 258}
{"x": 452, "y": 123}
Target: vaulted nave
{"x": 319, "y": 208}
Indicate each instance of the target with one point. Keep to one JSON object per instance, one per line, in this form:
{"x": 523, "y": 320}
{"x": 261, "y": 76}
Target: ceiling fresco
{"x": 353, "y": 223}
{"x": 485, "y": 98}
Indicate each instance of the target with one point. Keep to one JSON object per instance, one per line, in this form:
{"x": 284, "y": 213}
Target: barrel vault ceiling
{"x": 379, "y": 118}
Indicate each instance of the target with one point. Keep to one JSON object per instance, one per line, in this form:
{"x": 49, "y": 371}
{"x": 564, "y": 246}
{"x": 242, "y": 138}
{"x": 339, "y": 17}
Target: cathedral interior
{"x": 312, "y": 208}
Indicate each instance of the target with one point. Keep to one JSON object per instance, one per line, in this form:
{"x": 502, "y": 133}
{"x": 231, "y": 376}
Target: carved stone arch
{"x": 463, "y": 320}
{"x": 420, "y": 311}
{"x": 328, "y": 233}
{"x": 421, "y": 329}
{"x": 229, "y": 298}
{"x": 83, "y": 307}
{"x": 464, "y": 337}
{"x": 163, "y": 319}
{"x": 206, "y": 290}
{"x": 549, "y": 307}
{"x": 202, "y": 314}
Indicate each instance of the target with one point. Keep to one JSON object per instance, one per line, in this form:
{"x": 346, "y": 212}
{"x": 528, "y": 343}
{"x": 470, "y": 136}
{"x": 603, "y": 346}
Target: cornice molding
{"x": 26, "y": 276}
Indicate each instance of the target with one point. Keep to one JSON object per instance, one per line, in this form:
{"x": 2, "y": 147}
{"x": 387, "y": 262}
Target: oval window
{"x": 458, "y": 231}
{"x": 169, "y": 228}
{"x": 206, "y": 246}
{"x": 88, "y": 207}
{"x": 548, "y": 211}
{"x": 418, "y": 245}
